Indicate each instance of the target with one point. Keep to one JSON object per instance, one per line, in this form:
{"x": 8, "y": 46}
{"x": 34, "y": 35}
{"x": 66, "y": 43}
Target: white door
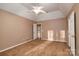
{"x": 71, "y": 31}
{"x": 34, "y": 31}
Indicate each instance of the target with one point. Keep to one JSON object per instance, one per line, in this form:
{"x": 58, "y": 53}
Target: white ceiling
{"x": 54, "y": 10}
{"x": 47, "y": 6}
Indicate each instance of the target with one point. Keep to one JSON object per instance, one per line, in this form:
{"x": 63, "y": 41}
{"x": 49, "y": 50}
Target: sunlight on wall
{"x": 56, "y": 36}
{"x": 50, "y": 35}
{"x": 59, "y": 35}
{"x": 62, "y": 34}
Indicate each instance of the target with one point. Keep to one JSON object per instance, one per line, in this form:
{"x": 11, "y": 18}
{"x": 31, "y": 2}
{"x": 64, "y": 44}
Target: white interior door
{"x": 71, "y": 31}
{"x": 34, "y": 31}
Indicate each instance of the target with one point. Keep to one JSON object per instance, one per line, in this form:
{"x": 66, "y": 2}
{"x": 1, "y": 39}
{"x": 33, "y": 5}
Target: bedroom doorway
{"x": 37, "y": 31}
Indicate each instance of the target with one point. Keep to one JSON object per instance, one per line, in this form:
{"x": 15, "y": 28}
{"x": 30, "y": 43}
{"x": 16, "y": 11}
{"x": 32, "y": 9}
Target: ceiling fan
{"x": 38, "y": 9}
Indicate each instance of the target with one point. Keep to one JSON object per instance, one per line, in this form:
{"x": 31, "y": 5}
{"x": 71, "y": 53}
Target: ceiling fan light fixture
{"x": 38, "y": 9}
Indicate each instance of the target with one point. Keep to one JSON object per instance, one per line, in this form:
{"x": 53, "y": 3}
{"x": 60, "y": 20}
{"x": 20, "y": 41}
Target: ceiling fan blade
{"x": 38, "y": 9}
{"x": 43, "y": 11}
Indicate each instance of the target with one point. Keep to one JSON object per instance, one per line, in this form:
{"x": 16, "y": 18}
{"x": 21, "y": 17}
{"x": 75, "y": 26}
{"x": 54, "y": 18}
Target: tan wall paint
{"x": 13, "y": 29}
{"x": 56, "y": 25}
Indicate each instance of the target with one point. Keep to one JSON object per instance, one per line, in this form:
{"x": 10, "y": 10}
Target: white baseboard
{"x": 15, "y": 45}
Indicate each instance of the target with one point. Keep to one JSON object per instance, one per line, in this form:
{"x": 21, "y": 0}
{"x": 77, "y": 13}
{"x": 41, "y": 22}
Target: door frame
{"x": 74, "y": 29}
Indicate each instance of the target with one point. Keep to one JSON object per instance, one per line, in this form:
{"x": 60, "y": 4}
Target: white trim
{"x": 15, "y": 45}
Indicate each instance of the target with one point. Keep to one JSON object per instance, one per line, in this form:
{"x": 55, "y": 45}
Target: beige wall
{"x": 56, "y": 25}
{"x": 13, "y": 29}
